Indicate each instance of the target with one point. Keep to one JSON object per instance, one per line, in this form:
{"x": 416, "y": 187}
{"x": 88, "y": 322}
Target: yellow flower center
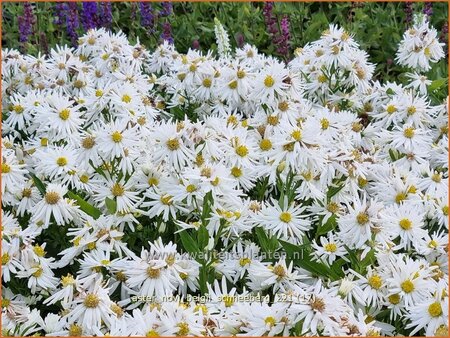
{"x": 409, "y": 132}
{"x": 322, "y": 78}
{"x": 173, "y": 144}
{"x": 435, "y": 309}
{"x": 89, "y": 142}
{"x": 39, "y": 251}
{"x": 357, "y": 127}
{"x": 270, "y": 321}
{"x": 61, "y": 161}
{"x": 207, "y": 83}
{"x": 191, "y": 188}
{"x": 91, "y": 301}
{"x": 152, "y": 181}
{"x": 297, "y": 135}
{"x": 117, "y": 189}
{"x": 400, "y": 197}
{"x": 407, "y": 286}
{"x": 285, "y": 217}
{"x": 153, "y": 273}
{"x": 445, "y": 210}
{"x": 330, "y": 247}
{"x": 265, "y": 144}
{"x": 38, "y": 273}
{"x": 436, "y": 178}
{"x": 233, "y": 84}
{"x": 391, "y": 109}
{"x": 99, "y": 93}
{"x": 5, "y": 302}
{"x": 269, "y": 81}
{"x": 183, "y": 329}
{"x": 244, "y": 261}
{"x": 215, "y": 182}
{"x": 236, "y": 172}
{"x": 375, "y": 282}
{"x": 333, "y": 207}
{"x": 405, "y": 224}
{"x": 242, "y": 151}
{"x": 116, "y": 136}
{"x": 283, "y": 106}
{"x": 228, "y": 300}
{"x": 272, "y": 120}
{"x": 240, "y": 74}
{"x": 18, "y": 109}
{"x": 64, "y": 114}
{"x": 152, "y": 333}
{"x": 5, "y": 258}
{"x": 394, "y": 299}
{"x": 126, "y": 98}
{"x": 52, "y": 197}
{"x": 317, "y": 304}
{"x": 166, "y": 199}
{"x": 279, "y": 271}
{"x": 26, "y": 193}
{"x": 324, "y": 124}
{"x": 75, "y": 330}
{"x": 362, "y": 218}
{"x": 84, "y": 178}
{"x": 67, "y": 280}
{"x": 5, "y": 168}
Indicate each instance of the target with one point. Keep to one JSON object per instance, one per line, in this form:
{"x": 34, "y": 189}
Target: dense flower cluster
{"x": 153, "y": 175}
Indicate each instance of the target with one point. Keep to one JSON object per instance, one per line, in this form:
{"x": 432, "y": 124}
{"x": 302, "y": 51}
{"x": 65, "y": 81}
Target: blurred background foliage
{"x": 275, "y": 28}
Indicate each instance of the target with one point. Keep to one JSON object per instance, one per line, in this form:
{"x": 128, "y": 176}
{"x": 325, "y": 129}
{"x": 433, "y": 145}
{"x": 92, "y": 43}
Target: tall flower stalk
{"x": 26, "y": 22}
{"x": 279, "y": 32}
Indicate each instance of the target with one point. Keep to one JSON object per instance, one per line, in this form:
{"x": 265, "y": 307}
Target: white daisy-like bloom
{"x": 329, "y": 250}
{"x": 405, "y": 222}
{"x": 90, "y": 308}
{"x": 287, "y": 222}
{"x": 13, "y": 173}
{"x": 54, "y": 204}
{"x": 151, "y": 192}
{"x": 121, "y": 192}
{"x": 150, "y": 276}
{"x": 280, "y": 276}
{"x": 431, "y": 314}
{"x": 418, "y": 82}
{"x": 420, "y": 46}
{"x": 170, "y": 145}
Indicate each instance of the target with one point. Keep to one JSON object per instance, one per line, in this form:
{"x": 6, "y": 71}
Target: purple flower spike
{"x": 72, "y": 22}
{"x": 166, "y": 8}
{"x": 408, "y": 13}
{"x": 280, "y": 38}
{"x": 147, "y": 16}
{"x": 89, "y": 17}
{"x": 60, "y": 13}
{"x": 26, "y": 22}
{"x": 428, "y": 9}
{"x": 167, "y": 32}
{"x": 105, "y": 14}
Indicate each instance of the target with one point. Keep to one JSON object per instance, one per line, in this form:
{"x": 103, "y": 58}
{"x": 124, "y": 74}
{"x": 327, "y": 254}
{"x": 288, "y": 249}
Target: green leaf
{"x": 328, "y": 226}
{"x": 302, "y": 259}
{"x": 206, "y": 208}
{"x": 111, "y": 205}
{"x": 85, "y": 206}
{"x": 188, "y": 242}
{"x": 437, "y": 84}
{"x": 263, "y": 240}
{"x": 38, "y": 183}
{"x": 202, "y": 236}
{"x": 334, "y": 190}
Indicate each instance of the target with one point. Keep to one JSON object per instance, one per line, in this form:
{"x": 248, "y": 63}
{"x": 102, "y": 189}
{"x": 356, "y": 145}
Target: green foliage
{"x": 377, "y": 26}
